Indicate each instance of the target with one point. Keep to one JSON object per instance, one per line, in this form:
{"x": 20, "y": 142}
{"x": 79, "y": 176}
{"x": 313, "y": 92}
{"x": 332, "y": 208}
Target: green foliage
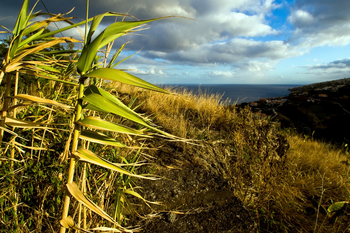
{"x": 34, "y": 56}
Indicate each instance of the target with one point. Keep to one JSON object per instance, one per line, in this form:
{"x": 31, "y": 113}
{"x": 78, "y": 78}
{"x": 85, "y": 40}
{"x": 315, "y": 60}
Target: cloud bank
{"x": 227, "y": 39}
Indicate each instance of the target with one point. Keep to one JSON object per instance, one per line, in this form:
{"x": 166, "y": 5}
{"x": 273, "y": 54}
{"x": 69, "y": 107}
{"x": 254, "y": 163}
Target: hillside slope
{"x": 243, "y": 175}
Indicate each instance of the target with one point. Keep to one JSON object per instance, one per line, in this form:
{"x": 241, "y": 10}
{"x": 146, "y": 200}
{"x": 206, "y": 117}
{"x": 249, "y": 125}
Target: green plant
{"x": 31, "y": 53}
{"x": 98, "y": 100}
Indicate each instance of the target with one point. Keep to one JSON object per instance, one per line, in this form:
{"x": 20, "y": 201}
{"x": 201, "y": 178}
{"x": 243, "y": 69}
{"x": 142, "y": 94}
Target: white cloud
{"x": 221, "y": 73}
{"x": 340, "y": 65}
{"x": 301, "y": 18}
{"x": 147, "y": 70}
{"x": 320, "y": 23}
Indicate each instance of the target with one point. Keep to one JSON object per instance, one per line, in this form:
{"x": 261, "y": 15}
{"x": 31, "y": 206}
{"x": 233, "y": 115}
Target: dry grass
{"x": 172, "y": 110}
{"x": 318, "y": 175}
{"x": 290, "y": 193}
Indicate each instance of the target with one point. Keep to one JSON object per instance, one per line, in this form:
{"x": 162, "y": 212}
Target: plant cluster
{"x": 72, "y": 143}
{"x": 38, "y": 145}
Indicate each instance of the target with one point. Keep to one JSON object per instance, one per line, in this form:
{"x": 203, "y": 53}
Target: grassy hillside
{"x": 286, "y": 182}
{"x": 78, "y": 153}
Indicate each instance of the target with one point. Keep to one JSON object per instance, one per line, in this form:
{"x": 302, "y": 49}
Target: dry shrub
{"x": 318, "y": 175}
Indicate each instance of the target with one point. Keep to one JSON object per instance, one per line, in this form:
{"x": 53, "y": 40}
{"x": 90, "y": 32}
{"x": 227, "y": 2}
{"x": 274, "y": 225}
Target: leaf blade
{"x": 123, "y": 77}
{"x": 88, "y": 156}
{"x": 97, "y": 123}
{"x": 100, "y": 138}
{"x": 41, "y": 100}
{"x": 80, "y": 197}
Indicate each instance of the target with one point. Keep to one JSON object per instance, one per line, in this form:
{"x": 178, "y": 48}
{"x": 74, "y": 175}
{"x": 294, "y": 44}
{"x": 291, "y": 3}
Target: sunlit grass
{"x": 293, "y": 193}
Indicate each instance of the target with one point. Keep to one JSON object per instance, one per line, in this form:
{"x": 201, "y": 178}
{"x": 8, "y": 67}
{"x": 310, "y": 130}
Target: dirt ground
{"x": 194, "y": 197}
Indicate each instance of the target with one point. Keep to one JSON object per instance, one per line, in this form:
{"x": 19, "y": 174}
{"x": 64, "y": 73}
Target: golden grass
{"x": 289, "y": 194}
{"x": 318, "y": 176}
{"x": 171, "y": 110}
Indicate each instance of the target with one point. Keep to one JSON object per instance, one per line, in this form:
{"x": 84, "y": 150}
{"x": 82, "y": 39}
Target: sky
{"x": 224, "y": 41}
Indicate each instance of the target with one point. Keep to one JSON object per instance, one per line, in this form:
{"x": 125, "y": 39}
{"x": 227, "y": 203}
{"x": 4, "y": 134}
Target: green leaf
{"x": 55, "y": 79}
{"x": 93, "y": 89}
{"x": 97, "y": 123}
{"x": 96, "y": 21}
{"x": 88, "y": 156}
{"x": 123, "y": 77}
{"x": 116, "y": 54}
{"x": 118, "y": 29}
{"x": 30, "y": 39}
{"x": 94, "y": 108}
{"x": 109, "y": 106}
{"x": 88, "y": 55}
{"x": 99, "y": 138}
{"x": 22, "y": 18}
{"x": 34, "y": 27}
{"x": 336, "y": 206}
{"x": 49, "y": 68}
{"x": 61, "y": 30}
{"x": 122, "y": 60}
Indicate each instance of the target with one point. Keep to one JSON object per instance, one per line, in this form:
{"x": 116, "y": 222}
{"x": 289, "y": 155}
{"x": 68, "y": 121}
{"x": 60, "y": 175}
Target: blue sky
{"x": 233, "y": 42}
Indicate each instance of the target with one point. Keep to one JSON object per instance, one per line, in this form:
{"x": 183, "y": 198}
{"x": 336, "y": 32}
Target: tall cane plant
{"x": 97, "y": 99}
{"x": 27, "y": 54}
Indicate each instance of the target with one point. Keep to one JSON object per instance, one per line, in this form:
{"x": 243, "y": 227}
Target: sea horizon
{"x": 239, "y": 93}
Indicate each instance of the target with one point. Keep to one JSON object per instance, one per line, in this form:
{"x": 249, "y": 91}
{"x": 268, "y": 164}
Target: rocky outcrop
{"x": 321, "y": 110}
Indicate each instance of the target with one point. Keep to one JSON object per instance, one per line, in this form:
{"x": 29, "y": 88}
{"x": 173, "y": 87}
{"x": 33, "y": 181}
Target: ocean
{"x": 240, "y": 92}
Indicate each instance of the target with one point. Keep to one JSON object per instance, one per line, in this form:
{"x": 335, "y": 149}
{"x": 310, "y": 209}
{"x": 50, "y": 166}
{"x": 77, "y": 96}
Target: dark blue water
{"x": 240, "y": 92}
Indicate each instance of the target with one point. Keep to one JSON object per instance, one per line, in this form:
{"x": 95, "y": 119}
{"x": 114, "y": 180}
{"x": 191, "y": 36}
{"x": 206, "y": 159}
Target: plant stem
{"x": 5, "y": 105}
{"x": 78, "y": 110}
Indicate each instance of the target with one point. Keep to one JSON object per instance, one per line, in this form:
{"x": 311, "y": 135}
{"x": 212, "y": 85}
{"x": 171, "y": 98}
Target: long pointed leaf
{"x": 116, "y": 54}
{"x": 61, "y": 30}
{"x": 97, "y": 123}
{"x": 118, "y": 29}
{"x": 40, "y": 100}
{"x": 88, "y": 55}
{"x": 41, "y": 75}
{"x": 93, "y": 89}
{"x": 94, "y": 108}
{"x": 42, "y": 46}
{"x": 96, "y": 22}
{"x": 135, "y": 194}
{"x": 107, "y": 105}
{"x": 23, "y": 124}
{"x": 122, "y": 60}
{"x": 21, "y": 20}
{"x": 88, "y": 156}
{"x": 79, "y": 196}
{"x": 100, "y": 138}
{"x": 123, "y": 77}
{"x": 30, "y": 39}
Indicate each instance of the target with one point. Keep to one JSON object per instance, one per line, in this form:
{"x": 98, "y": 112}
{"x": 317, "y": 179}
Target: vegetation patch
{"x": 80, "y": 153}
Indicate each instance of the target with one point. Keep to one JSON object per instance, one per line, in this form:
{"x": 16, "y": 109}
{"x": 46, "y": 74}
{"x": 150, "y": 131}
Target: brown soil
{"x": 194, "y": 196}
